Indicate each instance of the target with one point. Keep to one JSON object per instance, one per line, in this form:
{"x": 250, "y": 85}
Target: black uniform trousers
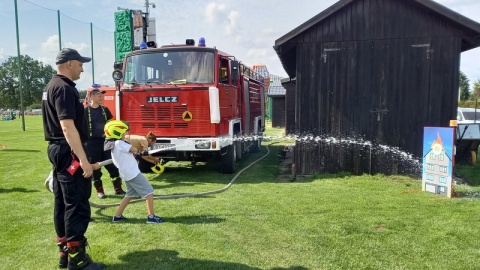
{"x": 97, "y": 154}
{"x": 145, "y": 166}
{"x": 71, "y": 209}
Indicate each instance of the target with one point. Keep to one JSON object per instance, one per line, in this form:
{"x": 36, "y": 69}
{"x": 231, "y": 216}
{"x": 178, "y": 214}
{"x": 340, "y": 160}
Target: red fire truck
{"x": 108, "y": 97}
{"x": 201, "y": 103}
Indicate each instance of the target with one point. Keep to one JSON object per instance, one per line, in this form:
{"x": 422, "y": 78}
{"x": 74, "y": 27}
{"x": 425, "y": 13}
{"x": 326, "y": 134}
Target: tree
{"x": 476, "y": 89}
{"x": 82, "y": 93}
{"x": 464, "y": 86}
{"x": 35, "y": 76}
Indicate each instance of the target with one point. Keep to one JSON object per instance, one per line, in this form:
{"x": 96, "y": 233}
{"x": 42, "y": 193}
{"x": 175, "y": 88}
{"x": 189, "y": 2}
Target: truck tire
{"x": 227, "y": 161}
{"x": 239, "y": 149}
{"x": 255, "y": 148}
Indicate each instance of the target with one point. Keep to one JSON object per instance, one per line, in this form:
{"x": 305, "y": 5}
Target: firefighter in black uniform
{"x": 66, "y": 131}
{"x": 97, "y": 116}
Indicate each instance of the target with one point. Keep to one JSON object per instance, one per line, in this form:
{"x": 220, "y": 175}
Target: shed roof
{"x": 276, "y": 89}
{"x": 454, "y": 17}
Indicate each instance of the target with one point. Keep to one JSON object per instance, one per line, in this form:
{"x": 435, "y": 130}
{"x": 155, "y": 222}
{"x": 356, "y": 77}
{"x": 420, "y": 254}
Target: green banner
{"x": 123, "y": 34}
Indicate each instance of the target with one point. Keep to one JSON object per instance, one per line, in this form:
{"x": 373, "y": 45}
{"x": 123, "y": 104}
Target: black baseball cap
{"x": 97, "y": 91}
{"x": 68, "y": 54}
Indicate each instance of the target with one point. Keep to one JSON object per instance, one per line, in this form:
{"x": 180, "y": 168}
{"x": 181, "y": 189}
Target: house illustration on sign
{"x": 437, "y": 171}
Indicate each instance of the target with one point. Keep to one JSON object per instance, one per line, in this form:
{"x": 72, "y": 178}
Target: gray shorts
{"x": 138, "y": 187}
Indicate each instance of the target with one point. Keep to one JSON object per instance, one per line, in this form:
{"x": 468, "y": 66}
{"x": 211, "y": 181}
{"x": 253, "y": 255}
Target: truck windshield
{"x": 170, "y": 67}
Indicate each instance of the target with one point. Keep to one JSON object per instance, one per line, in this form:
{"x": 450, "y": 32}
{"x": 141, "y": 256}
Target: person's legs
{"x": 77, "y": 191}
{"x": 145, "y": 166}
{"x": 72, "y": 210}
{"x": 123, "y": 204}
{"x": 114, "y": 174}
{"x": 117, "y": 186}
{"x": 142, "y": 188}
{"x": 95, "y": 154}
{"x": 151, "y": 218}
{"x": 59, "y": 206}
{"x": 149, "y": 201}
{"x": 77, "y": 218}
{"x": 62, "y": 247}
{"x": 59, "y": 213}
{"x": 78, "y": 258}
{"x": 98, "y": 184}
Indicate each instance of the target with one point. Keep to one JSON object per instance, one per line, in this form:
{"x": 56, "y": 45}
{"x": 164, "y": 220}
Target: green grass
{"x": 317, "y": 222}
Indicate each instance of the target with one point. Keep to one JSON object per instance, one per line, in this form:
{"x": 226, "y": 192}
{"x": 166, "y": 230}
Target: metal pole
{"x": 475, "y": 112}
{"x": 91, "y": 46}
{"x": 147, "y": 4}
{"x": 59, "y": 31}
{"x": 19, "y": 67}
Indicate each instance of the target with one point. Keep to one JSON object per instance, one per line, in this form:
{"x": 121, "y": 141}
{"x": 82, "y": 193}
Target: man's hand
{"x": 87, "y": 169}
{"x": 73, "y": 139}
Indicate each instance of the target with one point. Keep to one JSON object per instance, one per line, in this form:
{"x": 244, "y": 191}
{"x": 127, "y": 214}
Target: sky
{"x": 246, "y": 29}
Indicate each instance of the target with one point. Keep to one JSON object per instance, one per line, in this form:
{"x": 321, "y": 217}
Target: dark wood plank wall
{"x": 374, "y": 55}
{"x": 289, "y": 107}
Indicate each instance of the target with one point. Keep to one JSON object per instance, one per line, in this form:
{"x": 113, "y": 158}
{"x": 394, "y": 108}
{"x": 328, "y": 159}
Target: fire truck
{"x": 201, "y": 103}
{"x": 108, "y": 97}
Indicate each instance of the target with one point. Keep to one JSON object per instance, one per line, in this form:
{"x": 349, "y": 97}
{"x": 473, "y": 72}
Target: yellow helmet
{"x": 158, "y": 168}
{"x": 115, "y": 129}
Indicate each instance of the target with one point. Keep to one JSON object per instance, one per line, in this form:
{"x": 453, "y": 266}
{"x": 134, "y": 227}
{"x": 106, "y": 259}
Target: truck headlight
{"x": 202, "y": 144}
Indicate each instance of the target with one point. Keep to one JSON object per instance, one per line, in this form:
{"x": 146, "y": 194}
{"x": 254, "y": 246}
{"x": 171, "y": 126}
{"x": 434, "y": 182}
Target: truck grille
{"x": 163, "y": 117}
{"x": 167, "y": 117}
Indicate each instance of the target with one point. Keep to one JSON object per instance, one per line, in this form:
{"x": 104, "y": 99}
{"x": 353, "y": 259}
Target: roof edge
{"x": 430, "y": 4}
{"x": 451, "y": 14}
{"x": 312, "y": 21}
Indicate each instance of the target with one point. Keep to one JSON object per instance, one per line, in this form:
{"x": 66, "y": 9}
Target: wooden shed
{"x": 370, "y": 75}
{"x": 276, "y": 94}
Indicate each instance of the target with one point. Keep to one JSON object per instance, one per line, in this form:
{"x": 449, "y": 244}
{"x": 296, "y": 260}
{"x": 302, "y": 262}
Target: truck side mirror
{"x": 235, "y": 70}
{"x": 118, "y": 65}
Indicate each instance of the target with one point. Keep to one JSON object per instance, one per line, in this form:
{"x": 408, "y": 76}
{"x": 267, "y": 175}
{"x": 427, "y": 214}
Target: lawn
{"x": 318, "y": 222}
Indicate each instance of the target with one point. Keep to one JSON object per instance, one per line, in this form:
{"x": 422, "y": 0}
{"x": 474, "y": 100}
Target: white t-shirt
{"x": 125, "y": 162}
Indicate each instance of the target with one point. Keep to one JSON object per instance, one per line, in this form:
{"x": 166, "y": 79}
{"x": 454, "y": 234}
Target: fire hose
{"x": 175, "y": 196}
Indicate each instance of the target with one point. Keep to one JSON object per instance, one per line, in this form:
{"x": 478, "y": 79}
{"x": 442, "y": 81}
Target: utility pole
{"x": 19, "y": 67}
{"x": 147, "y": 10}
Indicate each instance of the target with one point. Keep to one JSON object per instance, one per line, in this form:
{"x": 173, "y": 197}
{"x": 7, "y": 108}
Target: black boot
{"x": 79, "y": 259}
{"x": 62, "y": 246}
{"x": 117, "y": 185}
{"x": 99, "y": 187}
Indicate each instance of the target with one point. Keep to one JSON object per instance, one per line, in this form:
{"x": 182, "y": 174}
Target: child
{"x": 122, "y": 156}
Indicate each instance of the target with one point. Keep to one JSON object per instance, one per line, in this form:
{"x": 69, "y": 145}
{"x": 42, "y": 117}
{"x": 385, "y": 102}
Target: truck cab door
{"x": 227, "y": 90}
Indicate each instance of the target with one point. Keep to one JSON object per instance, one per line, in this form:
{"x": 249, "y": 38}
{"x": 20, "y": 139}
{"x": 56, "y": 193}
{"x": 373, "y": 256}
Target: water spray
{"x": 297, "y": 138}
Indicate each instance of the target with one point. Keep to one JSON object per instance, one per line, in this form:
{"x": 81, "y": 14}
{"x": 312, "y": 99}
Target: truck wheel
{"x": 255, "y": 148}
{"x": 227, "y": 161}
{"x": 239, "y": 149}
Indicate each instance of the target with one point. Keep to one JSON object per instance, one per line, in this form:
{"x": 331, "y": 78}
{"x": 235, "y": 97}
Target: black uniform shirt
{"x": 61, "y": 101}
{"x": 96, "y": 120}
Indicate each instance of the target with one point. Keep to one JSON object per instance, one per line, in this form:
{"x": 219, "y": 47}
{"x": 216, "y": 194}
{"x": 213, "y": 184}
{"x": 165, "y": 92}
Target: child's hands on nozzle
{"x": 96, "y": 166}
{"x": 140, "y": 154}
